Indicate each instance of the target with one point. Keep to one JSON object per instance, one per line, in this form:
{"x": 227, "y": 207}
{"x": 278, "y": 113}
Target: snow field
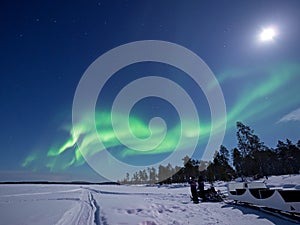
{"x": 124, "y": 204}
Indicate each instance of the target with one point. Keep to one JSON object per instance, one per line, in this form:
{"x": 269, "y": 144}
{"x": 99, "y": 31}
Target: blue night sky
{"x": 47, "y": 46}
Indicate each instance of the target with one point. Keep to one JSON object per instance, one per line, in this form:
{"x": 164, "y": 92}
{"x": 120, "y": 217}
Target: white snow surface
{"x": 125, "y": 204}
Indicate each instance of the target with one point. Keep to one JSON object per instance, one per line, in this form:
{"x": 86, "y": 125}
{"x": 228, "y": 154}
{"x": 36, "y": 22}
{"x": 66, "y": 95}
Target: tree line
{"x": 250, "y": 158}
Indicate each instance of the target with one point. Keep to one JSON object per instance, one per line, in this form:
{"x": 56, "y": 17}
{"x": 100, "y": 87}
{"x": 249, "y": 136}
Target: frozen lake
{"x": 122, "y": 204}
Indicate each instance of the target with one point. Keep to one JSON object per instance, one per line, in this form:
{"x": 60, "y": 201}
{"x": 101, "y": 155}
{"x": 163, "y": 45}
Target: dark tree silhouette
{"x": 250, "y": 158}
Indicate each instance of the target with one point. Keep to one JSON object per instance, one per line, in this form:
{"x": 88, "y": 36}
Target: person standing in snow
{"x": 201, "y": 188}
{"x": 193, "y": 186}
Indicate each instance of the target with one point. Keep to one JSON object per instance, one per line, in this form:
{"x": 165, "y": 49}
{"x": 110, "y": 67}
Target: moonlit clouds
{"x": 292, "y": 116}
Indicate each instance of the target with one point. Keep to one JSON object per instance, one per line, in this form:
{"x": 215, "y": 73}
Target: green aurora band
{"x": 253, "y": 101}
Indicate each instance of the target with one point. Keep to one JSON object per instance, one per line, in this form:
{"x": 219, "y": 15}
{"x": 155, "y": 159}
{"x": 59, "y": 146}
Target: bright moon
{"x": 267, "y": 34}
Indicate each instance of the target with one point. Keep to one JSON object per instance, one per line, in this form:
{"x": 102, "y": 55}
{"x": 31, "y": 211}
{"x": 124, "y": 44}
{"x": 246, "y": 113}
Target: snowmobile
{"x": 209, "y": 195}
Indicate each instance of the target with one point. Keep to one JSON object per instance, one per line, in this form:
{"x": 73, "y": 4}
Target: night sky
{"x": 47, "y": 46}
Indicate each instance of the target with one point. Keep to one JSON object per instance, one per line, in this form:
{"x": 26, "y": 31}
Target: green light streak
{"x": 252, "y": 101}
{"x": 69, "y": 143}
{"x": 29, "y": 159}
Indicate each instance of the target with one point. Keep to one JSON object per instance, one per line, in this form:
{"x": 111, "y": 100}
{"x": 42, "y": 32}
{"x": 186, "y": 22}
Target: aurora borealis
{"x": 68, "y": 155}
{"x": 47, "y": 47}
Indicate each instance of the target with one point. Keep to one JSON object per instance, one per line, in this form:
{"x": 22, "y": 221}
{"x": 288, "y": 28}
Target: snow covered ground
{"x": 112, "y": 204}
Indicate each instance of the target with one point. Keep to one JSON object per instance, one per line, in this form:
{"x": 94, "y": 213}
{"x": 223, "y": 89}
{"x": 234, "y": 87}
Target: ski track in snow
{"x": 109, "y": 204}
{"x": 81, "y": 213}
